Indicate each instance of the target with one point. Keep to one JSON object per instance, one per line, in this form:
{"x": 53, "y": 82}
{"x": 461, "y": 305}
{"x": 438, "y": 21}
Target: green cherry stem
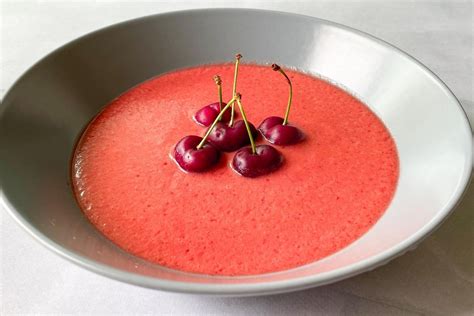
{"x": 218, "y": 118}
{"x": 234, "y": 87}
{"x": 236, "y": 72}
{"x": 218, "y": 81}
{"x": 244, "y": 117}
{"x": 275, "y": 67}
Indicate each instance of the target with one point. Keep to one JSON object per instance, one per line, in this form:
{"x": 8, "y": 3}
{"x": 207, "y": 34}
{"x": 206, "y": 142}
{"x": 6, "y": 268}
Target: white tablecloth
{"x": 436, "y": 278}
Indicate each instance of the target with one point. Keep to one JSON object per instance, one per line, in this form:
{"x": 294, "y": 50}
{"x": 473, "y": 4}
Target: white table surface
{"x": 436, "y": 278}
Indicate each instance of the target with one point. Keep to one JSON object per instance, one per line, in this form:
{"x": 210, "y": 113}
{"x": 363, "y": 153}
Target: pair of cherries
{"x": 197, "y": 154}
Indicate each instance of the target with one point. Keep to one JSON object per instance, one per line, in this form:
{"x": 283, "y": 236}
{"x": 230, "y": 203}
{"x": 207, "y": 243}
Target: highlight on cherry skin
{"x": 192, "y": 158}
{"x": 276, "y": 129}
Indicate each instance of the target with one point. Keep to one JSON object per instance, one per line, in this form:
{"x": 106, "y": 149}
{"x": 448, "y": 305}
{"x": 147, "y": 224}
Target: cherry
{"x": 275, "y": 132}
{"x": 206, "y": 115}
{"x": 230, "y": 138}
{"x": 194, "y": 155}
{"x": 264, "y": 160}
{"x": 226, "y": 137}
{"x": 276, "y": 129}
{"x": 255, "y": 161}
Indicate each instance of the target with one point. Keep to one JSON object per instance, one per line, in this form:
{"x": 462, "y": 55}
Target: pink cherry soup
{"x": 330, "y": 190}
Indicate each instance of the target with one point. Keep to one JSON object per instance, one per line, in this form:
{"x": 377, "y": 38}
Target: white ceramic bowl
{"x": 44, "y": 112}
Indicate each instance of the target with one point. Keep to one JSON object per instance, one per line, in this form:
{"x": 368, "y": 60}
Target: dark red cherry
{"x": 275, "y": 132}
{"x": 206, "y": 115}
{"x": 269, "y": 122}
{"x": 265, "y": 160}
{"x": 226, "y": 138}
{"x": 191, "y": 159}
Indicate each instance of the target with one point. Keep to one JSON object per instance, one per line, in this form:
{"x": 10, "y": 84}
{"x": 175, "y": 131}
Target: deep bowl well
{"x": 46, "y": 109}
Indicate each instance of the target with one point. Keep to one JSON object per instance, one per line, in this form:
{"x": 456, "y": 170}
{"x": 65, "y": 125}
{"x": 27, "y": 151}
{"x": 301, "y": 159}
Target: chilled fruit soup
{"x": 327, "y": 190}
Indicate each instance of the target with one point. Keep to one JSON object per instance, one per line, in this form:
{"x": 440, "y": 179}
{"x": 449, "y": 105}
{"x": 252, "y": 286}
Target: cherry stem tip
{"x": 217, "y": 80}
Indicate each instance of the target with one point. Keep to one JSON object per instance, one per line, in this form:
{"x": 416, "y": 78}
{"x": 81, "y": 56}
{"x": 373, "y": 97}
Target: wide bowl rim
{"x": 261, "y": 288}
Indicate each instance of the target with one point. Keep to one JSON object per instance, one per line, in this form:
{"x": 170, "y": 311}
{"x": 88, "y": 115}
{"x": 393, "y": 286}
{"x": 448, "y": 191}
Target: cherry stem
{"x": 234, "y": 87}
{"x": 275, "y": 67}
{"x": 218, "y": 118}
{"x": 218, "y": 81}
{"x": 247, "y": 126}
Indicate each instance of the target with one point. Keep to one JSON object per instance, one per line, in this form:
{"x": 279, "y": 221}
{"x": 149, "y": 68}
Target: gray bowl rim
{"x": 249, "y": 289}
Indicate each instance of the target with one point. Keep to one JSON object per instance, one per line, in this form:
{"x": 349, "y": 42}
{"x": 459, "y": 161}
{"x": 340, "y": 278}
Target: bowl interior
{"x": 46, "y": 110}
